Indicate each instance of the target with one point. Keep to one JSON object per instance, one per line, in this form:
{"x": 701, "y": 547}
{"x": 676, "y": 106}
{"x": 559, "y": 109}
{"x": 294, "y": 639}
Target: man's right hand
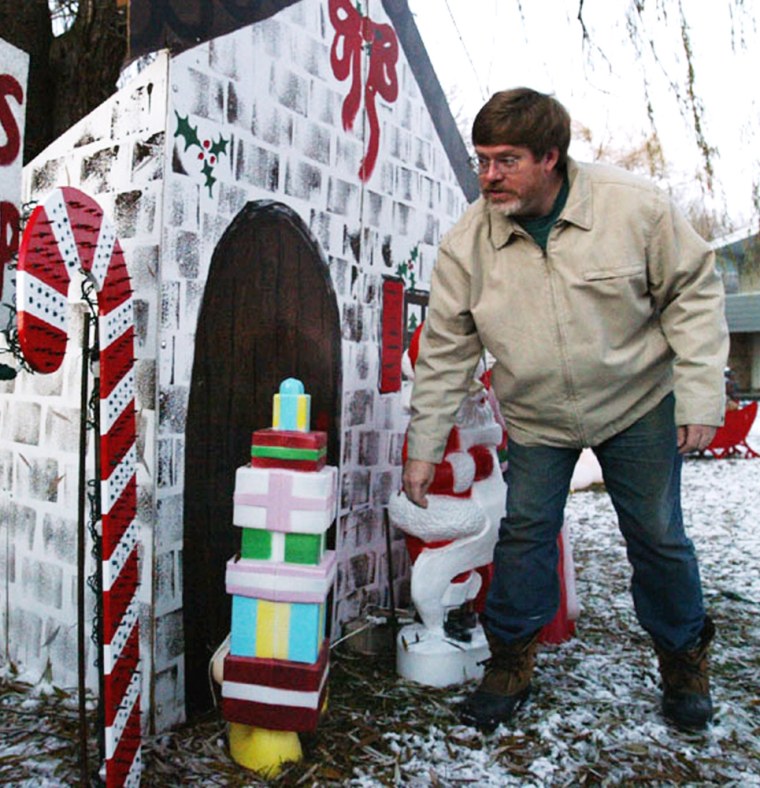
{"x": 417, "y": 476}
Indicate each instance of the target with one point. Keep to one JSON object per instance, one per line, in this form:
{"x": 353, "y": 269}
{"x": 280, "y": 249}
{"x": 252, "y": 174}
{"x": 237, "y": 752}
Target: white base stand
{"x": 437, "y": 661}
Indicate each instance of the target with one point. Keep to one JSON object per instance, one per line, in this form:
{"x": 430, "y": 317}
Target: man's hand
{"x": 695, "y": 437}
{"x": 418, "y": 474}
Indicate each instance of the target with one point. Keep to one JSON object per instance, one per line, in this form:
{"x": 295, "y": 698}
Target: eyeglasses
{"x": 502, "y": 164}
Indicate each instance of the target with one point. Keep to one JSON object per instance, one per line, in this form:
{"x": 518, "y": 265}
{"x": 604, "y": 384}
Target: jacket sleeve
{"x": 689, "y": 295}
{"x": 450, "y": 349}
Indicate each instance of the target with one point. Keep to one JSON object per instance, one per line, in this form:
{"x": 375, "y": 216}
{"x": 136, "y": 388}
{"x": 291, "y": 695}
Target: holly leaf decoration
{"x": 188, "y": 133}
{"x": 219, "y": 147}
{"x": 208, "y": 171}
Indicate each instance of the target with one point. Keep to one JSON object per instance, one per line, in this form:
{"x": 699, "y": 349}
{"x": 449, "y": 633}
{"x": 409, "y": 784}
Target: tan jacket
{"x": 623, "y": 307}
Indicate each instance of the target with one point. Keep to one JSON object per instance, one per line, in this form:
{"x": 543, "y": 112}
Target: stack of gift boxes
{"x": 275, "y": 675}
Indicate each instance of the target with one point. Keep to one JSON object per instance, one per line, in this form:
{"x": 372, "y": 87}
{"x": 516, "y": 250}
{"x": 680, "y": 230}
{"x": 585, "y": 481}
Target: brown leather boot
{"x": 686, "y": 698}
{"x": 506, "y": 684}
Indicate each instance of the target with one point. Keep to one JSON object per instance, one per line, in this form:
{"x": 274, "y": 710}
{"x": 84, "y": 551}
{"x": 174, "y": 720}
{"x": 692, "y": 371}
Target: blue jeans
{"x": 642, "y": 473}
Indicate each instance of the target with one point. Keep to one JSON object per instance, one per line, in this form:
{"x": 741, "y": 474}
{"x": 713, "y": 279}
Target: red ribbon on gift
{"x": 352, "y": 32}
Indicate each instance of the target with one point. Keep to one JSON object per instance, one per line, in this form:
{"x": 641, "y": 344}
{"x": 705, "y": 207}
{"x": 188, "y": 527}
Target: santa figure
{"x": 451, "y": 543}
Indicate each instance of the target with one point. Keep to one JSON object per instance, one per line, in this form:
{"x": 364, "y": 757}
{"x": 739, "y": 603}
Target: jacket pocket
{"x": 612, "y": 273}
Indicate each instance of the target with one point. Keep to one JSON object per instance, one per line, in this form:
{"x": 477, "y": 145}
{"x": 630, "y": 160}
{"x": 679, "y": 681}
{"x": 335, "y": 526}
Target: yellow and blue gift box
{"x": 278, "y": 610}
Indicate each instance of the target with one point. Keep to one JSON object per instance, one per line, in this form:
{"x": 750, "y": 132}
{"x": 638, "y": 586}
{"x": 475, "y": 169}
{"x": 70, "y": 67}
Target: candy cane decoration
{"x": 69, "y": 232}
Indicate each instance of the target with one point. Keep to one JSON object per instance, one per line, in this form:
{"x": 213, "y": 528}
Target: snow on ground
{"x": 595, "y": 717}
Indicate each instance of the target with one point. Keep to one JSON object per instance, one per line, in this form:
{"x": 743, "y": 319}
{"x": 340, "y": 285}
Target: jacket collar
{"x": 578, "y": 209}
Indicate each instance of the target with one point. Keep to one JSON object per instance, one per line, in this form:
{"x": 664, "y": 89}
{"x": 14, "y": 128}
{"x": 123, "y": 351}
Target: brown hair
{"x": 523, "y": 116}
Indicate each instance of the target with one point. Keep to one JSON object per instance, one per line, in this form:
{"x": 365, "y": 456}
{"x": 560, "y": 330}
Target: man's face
{"x": 514, "y": 182}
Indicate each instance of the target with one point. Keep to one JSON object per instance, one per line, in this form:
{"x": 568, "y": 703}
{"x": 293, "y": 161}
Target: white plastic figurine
{"x": 451, "y": 544}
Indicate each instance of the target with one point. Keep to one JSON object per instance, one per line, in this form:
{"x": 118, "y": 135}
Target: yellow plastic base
{"x": 263, "y": 750}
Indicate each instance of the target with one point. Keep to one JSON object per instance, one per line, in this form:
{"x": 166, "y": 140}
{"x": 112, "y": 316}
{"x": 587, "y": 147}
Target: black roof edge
{"x": 148, "y": 32}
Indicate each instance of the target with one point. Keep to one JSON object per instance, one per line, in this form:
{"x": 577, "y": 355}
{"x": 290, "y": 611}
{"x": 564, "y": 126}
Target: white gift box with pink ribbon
{"x": 283, "y": 500}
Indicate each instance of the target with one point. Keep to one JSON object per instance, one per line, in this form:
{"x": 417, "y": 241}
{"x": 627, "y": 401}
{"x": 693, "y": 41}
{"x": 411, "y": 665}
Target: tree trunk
{"x": 87, "y": 60}
{"x": 70, "y": 75}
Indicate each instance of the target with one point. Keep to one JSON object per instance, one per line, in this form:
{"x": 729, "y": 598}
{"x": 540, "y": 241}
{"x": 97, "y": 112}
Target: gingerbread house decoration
{"x": 278, "y": 191}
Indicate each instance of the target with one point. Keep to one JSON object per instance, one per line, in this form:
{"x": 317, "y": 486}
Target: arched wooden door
{"x": 269, "y": 312}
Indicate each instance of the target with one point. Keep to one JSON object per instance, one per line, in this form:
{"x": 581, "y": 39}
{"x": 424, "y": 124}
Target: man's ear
{"x": 551, "y": 159}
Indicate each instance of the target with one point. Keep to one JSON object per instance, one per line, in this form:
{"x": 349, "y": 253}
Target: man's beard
{"x": 510, "y": 207}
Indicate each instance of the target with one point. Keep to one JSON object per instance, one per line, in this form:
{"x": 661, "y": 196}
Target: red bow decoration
{"x": 352, "y": 31}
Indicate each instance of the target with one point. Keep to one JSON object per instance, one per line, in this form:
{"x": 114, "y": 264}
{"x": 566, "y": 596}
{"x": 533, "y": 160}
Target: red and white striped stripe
{"x": 69, "y": 232}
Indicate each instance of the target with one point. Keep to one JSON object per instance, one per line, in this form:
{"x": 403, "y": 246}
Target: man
{"x": 604, "y": 314}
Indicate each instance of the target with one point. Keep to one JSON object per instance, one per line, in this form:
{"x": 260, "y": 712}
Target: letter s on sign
{"x": 9, "y": 87}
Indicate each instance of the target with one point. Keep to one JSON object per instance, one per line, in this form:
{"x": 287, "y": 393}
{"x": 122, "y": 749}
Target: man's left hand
{"x": 695, "y": 437}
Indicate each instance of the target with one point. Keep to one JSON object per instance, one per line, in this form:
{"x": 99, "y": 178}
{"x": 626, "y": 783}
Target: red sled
{"x": 731, "y": 439}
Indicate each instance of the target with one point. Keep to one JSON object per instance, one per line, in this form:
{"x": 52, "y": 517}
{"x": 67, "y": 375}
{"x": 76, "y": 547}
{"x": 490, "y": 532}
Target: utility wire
{"x": 483, "y": 94}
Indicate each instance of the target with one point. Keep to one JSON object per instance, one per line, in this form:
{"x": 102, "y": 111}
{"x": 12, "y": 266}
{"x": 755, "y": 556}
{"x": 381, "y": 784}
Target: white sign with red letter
{"x": 14, "y": 67}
